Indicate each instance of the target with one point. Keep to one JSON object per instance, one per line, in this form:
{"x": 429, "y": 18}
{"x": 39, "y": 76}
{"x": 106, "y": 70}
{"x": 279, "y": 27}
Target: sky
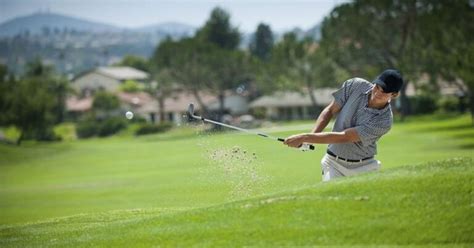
{"x": 281, "y": 15}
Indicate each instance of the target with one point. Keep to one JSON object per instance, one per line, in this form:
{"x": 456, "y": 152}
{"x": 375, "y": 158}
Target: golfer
{"x": 363, "y": 115}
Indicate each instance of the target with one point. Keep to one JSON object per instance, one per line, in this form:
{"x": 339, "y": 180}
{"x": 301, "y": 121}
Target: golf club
{"x": 303, "y": 147}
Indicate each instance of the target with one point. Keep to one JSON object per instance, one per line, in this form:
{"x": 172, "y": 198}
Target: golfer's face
{"x": 379, "y": 95}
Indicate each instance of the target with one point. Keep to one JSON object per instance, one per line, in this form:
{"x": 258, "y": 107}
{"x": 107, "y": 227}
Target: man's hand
{"x": 294, "y": 140}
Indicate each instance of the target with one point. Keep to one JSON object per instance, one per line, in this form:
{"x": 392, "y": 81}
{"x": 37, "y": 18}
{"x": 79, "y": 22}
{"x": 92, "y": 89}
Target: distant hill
{"x": 73, "y": 44}
{"x": 49, "y": 22}
{"x": 314, "y": 33}
{"x": 171, "y": 28}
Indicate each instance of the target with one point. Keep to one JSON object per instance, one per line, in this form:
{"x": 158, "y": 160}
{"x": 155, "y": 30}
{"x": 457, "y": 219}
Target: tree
{"x": 208, "y": 62}
{"x": 224, "y": 63}
{"x": 105, "y": 102}
{"x": 300, "y": 64}
{"x": 317, "y": 70}
{"x": 218, "y": 30}
{"x": 202, "y": 66}
{"x": 161, "y": 65}
{"x": 135, "y": 62}
{"x": 449, "y": 43}
{"x": 160, "y": 88}
{"x": 34, "y": 103}
{"x": 413, "y": 36}
{"x": 262, "y": 42}
{"x": 367, "y": 36}
{"x": 187, "y": 63}
{"x": 6, "y": 85}
{"x": 231, "y": 68}
{"x": 275, "y": 75}
{"x": 131, "y": 86}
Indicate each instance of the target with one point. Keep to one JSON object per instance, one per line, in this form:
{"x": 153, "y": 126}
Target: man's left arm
{"x": 349, "y": 135}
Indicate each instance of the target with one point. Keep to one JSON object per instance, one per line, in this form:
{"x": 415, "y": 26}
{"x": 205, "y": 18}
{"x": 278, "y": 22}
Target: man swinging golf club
{"x": 363, "y": 116}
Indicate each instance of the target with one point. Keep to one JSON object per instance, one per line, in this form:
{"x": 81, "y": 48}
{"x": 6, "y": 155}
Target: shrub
{"x": 448, "y": 104}
{"x": 153, "y": 128}
{"x": 105, "y": 101}
{"x": 41, "y": 134}
{"x": 138, "y": 119}
{"x": 87, "y": 129}
{"x": 131, "y": 86}
{"x": 423, "y": 104}
{"x": 103, "y": 128}
{"x": 111, "y": 126}
{"x": 259, "y": 113}
{"x": 67, "y": 131}
{"x": 47, "y": 135}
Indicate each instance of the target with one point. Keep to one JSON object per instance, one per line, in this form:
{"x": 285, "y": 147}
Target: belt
{"x": 347, "y": 160}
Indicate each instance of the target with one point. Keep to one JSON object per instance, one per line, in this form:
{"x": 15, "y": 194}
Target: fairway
{"x": 168, "y": 189}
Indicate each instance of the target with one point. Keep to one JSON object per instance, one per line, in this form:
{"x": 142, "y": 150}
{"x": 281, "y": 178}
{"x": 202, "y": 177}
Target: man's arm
{"x": 349, "y": 135}
{"x": 326, "y": 115}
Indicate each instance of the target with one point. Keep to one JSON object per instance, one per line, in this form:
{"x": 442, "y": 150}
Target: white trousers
{"x": 333, "y": 168}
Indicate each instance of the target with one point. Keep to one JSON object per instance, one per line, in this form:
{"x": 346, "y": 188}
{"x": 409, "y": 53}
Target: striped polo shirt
{"x": 370, "y": 123}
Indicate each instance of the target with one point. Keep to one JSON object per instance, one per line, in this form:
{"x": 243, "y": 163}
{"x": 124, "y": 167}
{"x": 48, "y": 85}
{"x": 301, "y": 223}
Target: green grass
{"x": 402, "y": 206}
{"x": 161, "y": 189}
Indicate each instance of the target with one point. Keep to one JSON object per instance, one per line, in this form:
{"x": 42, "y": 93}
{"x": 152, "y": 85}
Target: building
{"x": 176, "y": 105}
{"x": 146, "y": 106}
{"x": 290, "y": 105}
{"x": 76, "y": 106}
{"x": 107, "y": 78}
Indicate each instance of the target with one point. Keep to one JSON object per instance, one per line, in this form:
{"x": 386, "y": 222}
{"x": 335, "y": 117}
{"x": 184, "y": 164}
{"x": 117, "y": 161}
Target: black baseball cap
{"x": 390, "y": 80}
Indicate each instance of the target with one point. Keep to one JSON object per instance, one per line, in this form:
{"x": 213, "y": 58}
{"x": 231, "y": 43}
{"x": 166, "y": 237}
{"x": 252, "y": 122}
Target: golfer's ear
{"x": 395, "y": 95}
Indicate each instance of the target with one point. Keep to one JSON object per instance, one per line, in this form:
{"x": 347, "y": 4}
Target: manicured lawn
{"x": 173, "y": 189}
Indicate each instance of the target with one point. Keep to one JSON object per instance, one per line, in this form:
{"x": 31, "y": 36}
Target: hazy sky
{"x": 246, "y": 14}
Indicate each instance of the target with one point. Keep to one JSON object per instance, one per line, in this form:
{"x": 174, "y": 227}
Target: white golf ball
{"x": 129, "y": 115}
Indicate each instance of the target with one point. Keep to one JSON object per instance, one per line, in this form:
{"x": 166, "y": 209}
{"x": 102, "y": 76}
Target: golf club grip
{"x": 311, "y": 147}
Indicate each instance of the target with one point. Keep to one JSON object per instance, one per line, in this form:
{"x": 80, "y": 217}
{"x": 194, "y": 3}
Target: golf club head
{"x": 190, "y": 113}
{"x": 191, "y": 109}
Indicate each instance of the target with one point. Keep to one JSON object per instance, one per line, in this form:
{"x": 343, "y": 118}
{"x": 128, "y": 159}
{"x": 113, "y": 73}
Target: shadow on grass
{"x": 466, "y": 136}
{"x": 185, "y": 136}
{"x": 427, "y": 117}
{"x": 466, "y": 146}
{"x": 169, "y": 138}
{"x": 457, "y": 127}
{"x": 31, "y": 151}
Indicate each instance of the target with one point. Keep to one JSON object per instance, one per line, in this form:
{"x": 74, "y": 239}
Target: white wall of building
{"x": 237, "y": 105}
{"x": 95, "y": 81}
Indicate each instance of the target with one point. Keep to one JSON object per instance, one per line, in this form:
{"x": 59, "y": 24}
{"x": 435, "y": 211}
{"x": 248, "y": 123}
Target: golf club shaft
{"x": 243, "y": 130}
{"x": 240, "y": 129}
